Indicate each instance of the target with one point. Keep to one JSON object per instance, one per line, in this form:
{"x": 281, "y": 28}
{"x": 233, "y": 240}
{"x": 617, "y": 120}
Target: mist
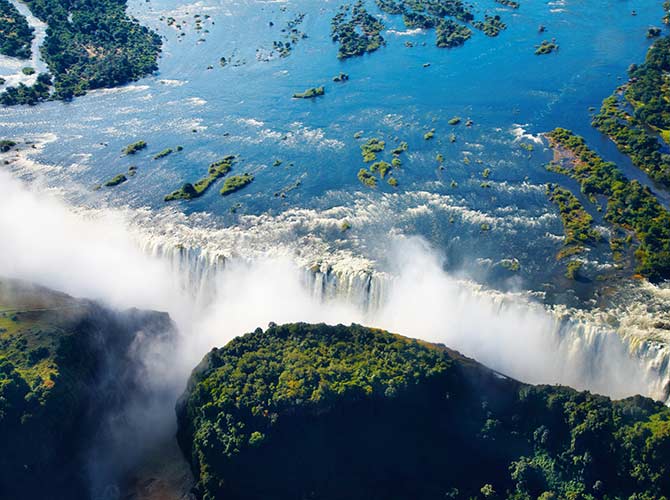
{"x": 96, "y": 255}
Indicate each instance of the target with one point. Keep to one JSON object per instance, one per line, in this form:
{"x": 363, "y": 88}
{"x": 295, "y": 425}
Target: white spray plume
{"x": 95, "y": 255}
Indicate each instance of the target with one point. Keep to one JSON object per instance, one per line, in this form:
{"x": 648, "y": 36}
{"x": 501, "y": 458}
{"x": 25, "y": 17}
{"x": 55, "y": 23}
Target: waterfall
{"x": 584, "y": 346}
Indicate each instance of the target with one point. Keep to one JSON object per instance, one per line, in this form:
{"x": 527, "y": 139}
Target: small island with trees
{"x": 310, "y": 93}
{"x": 215, "y": 171}
{"x": 356, "y": 31}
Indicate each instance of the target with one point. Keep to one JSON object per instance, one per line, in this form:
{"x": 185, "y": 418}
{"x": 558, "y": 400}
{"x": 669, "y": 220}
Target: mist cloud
{"x": 95, "y": 254}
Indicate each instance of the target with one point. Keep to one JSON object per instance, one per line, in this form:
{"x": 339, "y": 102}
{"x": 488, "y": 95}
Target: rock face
{"x": 64, "y": 364}
{"x": 319, "y": 412}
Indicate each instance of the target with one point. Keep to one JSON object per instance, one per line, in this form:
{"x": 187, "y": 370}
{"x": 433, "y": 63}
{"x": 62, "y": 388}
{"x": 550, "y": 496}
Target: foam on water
{"x": 219, "y": 282}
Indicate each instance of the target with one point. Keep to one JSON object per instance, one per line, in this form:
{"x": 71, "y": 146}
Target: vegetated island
{"x": 367, "y": 178}
{"x": 491, "y": 25}
{"x": 215, "y": 171}
{"x": 370, "y": 149}
{"x": 639, "y": 110}
{"x": 89, "y": 45}
{"x": 116, "y": 180}
{"x": 134, "y": 148}
{"x": 28, "y": 94}
{"x": 235, "y": 183}
{"x": 291, "y": 35}
{"x": 332, "y": 412}
{"x": 630, "y": 206}
{"x": 450, "y": 34}
{"x": 310, "y": 93}
{"x": 16, "y": 35}
{"x": 546, "y": 47}
{"x": 509, "y": 3}
{"x": 577, "y": 222}
{"x": 356, "y": 31}
{"x": 65, "y": 365}
{"x": 7, "y": 145}
{"x": 433, "y": 14}
{"x": 167, "y": 152}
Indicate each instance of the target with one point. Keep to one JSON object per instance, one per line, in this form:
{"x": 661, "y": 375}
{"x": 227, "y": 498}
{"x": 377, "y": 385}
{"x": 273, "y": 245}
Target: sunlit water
{"x": 511, "y": 95}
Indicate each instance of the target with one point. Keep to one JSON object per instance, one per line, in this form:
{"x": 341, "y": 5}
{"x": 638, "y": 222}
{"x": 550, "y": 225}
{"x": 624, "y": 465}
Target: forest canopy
{"x": 335, "y": 412}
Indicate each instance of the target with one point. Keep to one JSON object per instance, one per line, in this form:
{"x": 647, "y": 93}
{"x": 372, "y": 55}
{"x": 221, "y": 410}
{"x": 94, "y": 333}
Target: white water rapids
{"x": 154, "y": 260}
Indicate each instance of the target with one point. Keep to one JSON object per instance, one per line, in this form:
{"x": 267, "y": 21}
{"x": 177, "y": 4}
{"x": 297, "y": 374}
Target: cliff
{"x": 330, "y": 412}
{"x": 64, "y": 364}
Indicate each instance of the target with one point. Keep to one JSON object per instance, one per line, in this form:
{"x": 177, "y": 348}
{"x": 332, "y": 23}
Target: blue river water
{"x": 246, "y": 108}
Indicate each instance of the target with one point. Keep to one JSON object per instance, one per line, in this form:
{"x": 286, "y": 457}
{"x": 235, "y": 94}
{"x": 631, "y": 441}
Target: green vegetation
{"x": 653, "y": 32}
{"x": 455, "y": 120}
{"x": 63, "y": 364}
{"x": 235, "y": 183}
{"x": 370, "y": 149}
{"x": 546, "y": 48}
{"x": 574, "y": 270}
{"x": 94, "y": 44}
{"x": 6, "y": 145}
{"x": 450, "y": 34}
{"x": 367, "y": 178}
{"x": 334, "y": 412}
{"x": 429, "y": 135}
{"x": 429, "y": 14}
{"x": 163, "y": 154}
{"x": 356, "y": 30}
{"x": 341, "y": 78}
{"x": 16, "y": 35}
{"x": 425, "y": 9}
{"x": 402, "y": 148}
{"x": 134, "y": 148}
{"x": 512, "y": 265}
{"x": 416, "y": 20}
{"x": 527, "y": 146}
{"x": 28, "y": 71}
{"x": 491, "y": 25}
{"x": 629, "y": 204}
{"x": 369, "y": 152}
{"x": 310, "y": 93}
{"x": 115, "y": 181}
{"x": 577, "y": 222}
{"x": 380, "y": 167}
{"x": 641, "y": 106}
{"x": 215, "y": 171}
{"x": 509, "y": 3}
{"x": 291, "y": 36}
{"x": 28, "y": 95}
